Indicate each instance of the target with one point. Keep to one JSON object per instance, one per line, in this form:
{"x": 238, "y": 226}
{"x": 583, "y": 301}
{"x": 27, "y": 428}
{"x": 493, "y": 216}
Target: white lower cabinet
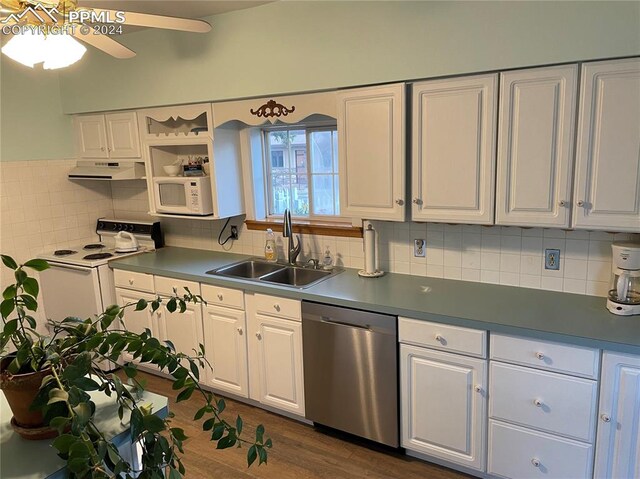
{"x": 275, "y": 352}
{"x": 542, "y": 422}
{"x": 135, "y": 321}
{"x": 618, "y": 440}
{"x": 443, "y": 395}
{"x": 184, "y": 330}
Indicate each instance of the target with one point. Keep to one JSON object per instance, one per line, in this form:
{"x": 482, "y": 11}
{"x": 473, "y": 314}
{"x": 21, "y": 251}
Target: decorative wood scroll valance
{"x": 271, "y": 109}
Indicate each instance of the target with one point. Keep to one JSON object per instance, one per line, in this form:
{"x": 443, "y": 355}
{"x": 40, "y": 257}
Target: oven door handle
{"x": 68, "y": 266}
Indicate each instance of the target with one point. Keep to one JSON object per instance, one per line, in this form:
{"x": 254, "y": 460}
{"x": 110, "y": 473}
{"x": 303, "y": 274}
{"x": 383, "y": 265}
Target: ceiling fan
{"x": 83, "y": 23}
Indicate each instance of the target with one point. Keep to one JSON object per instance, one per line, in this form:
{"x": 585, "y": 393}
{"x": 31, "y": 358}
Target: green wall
{"x": 293, "y": 46}
{"x": 32, "y": 126}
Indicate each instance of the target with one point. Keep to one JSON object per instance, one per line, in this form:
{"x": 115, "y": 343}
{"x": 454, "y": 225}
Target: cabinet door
{"x": 184, "y": 330}
{"x": 535, "y": 143}
{"x": 454, "y": 146}
{"x": 135, "y": 321}
{"x": 91, "y": 136}
{"x": 444, "y": 409}
{"x": 278, "y": 356}
{"x": 618, "y": 439}
{"x": 122, "y": 135}
{"x": 226, "y": 349}
{"x": 607, "y": 192}
{"x": 371, "y": 147}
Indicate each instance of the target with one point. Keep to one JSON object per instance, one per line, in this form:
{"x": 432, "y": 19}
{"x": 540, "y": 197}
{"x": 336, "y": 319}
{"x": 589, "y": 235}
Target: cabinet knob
{"x": 417, "y": 201}
{"x": 258, "y": 335}
{"x": 535, "y": 461}
{"x": 478, "y": 389}
{"x": 131, "y": 281}
{"x": 581, "y": 203}
{"x": 562, "y": 203}
{"x": 400, "y": 202}
{"x": 109, "y": 149}
{"x": 605, "y": 418}
{"x": 439, "y": 338}
{"x": 240, "y": 331}
{"x": 102, "y": 148}
{"x": 538, "y": 402}
{"x": 540, "y": 356}
{"x": 220, "y": 297}
{"x": 158, "y": 314}
{"x": 276, "y": 307}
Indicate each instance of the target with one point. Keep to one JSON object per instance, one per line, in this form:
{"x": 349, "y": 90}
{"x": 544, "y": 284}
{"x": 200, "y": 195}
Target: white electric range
{"x": 79, "y": 282}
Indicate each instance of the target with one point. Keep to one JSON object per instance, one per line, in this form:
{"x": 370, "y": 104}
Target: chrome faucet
{"x": 287, "y": 232}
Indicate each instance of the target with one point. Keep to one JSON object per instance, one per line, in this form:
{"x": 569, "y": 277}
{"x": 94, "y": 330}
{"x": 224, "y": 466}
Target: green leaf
{"x": 239, "y": 424}
{"x": 153, "y": 423}
{"x": 194, "y": 369}
{"x": 130, "y": 370}
{"x": 218, "y": 431}
{"x": 259, "y": 433}
{"x": 10, "y": 292}
{"x": 7, "y": 307}
{"x": 29, "y": 302}
{"x": 11, "y": 326}
{"x": 173, "y": 474}
{"x": 220, "y": 405}
{"x": 57, "y": 395}
{"x": 200, "y": 413}
{"x": 59, "y": 423}
{"x": 20, "y": 275}
{"x": 37, "y": 264}
{"x": 185, "y": 394}
{"x": 268, "y": 443}
{"x": 252, "y": 455}
{"x": 86, "y": 384}
{"x": 64, "y": 442}
{"x": 141, "y": 304}
{"x": 9, "y": 262}
{"x": 226, "y": 442}
{"x": 83, "y": 413}
{"x": 31, "y": 287}
{"x": 31, "y": 320}
{"x": 178, "y": 433}
{"x": 262, "y": 452}
{"x": 171, "y": 305}
{"x": 208, "y": 424}
{"x": 136, "y": 422}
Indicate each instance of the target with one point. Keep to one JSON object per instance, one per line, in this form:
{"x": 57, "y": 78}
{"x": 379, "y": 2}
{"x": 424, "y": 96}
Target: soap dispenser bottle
{"x": 270, "y": 253}
{"x": 327, "y": 260}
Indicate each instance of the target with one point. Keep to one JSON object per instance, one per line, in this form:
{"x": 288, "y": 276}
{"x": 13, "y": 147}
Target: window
{"x": 303, "y": 171}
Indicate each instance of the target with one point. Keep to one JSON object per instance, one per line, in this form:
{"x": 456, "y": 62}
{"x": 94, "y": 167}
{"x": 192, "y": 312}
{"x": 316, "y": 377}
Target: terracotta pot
{"x": 20, "y": 391}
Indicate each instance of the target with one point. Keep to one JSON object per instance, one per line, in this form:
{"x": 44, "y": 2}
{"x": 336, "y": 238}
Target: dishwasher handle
{"x": 328, "y": 320}
{"x": 363, "y": 320}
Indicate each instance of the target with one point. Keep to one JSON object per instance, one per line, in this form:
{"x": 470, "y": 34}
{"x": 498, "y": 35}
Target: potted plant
{"x": 64, "y": 366}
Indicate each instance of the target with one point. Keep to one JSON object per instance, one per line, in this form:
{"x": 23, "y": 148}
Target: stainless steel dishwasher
{"x": 351, "y": 371}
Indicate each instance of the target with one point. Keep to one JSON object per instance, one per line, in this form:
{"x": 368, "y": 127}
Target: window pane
{"x": 334, "y": 135}
{"x": 323, "y": 197}
{"x": 299, "y": 195}
{"x": 321, "y": 152}
{"x": 280, "y": 188}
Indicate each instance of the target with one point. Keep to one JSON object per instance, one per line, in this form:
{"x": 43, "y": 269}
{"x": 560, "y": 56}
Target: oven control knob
{"x": 131, "y": 228}
{"x": 100, "y": 225}
{"x": 118, "y": 226}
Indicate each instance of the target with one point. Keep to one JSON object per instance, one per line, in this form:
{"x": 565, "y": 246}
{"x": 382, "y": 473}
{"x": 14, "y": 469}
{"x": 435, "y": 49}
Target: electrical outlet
{"x": 552, "y": 259}
{"x": 234, "y": 232}
{"x": 419, "y": 250}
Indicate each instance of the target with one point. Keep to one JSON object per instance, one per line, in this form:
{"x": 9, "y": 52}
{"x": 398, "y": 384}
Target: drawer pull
{"x": 258, "y": 335}
{"x": 538, "y": 403}
{"x": 605, "y": 417}
{"x": 439, "y": 338}
{"x": 131, "y": 281}
{"x": 535, "y": 461}
{"x": 478, "y": 389}
{"x": 220, "y": 297}
{"x": 540, "y": 356}
{"x": 276, "y": 307}
{"x": 240, "y": 331}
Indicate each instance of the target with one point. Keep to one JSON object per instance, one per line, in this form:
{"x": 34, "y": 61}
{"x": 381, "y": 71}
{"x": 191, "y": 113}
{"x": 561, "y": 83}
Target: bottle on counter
{"x": 270, "y": 253}
{"x": 327, "y": 260}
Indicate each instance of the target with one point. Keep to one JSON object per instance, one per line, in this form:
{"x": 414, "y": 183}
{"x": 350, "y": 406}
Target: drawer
{"x": 520, "y": 453}
{"x": 216, "y": 295}
{"x": 280, "y": 307}
{"x": 441, "y": 336}
{"x": 166, "y": 286}
{"x": 133, "y": 280}
{"x": 547, "y": 355}
{"x": 552, "y": 402}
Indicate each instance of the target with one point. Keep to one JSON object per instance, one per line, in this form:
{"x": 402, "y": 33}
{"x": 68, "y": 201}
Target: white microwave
{"x": 182, "y": 195}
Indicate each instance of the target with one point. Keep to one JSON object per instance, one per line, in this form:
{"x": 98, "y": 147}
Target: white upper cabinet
{"x": 110, "y": 135}
{"x": 618, "y": 441}
{"x": 607, "y": 188}
{"x": 371, "y": 145}
{"x": 535, "y": 144}
{"x": 454, "y": 146}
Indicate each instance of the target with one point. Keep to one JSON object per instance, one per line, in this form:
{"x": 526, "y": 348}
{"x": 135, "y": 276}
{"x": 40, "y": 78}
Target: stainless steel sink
{"x": 274, "y": 273}
{"x": 248, "y": 269}
{"x": 298, "y": 277}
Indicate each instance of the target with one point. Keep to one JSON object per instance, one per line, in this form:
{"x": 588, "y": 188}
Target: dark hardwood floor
{"x": 299, "y": 451}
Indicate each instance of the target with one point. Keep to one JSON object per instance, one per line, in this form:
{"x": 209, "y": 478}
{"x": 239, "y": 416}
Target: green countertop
{"x": 572, "y": 318}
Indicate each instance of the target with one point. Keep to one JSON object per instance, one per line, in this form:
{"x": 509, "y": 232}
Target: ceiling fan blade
{"x": 104, "y": 43}
{"x": 161, "y": 21}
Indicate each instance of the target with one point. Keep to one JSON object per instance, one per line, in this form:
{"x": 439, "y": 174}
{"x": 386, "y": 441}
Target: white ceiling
{"x": 174, "y": 8}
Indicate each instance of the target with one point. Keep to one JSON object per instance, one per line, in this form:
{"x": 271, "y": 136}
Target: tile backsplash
{"x": 42, "y": 210}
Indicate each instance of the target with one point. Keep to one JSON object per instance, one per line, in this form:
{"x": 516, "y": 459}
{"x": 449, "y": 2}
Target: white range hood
{"x": 107, "y": 170}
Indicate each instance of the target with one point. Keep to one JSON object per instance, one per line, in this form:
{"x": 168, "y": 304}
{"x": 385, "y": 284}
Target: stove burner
{"x": 98, "y": 256}
{"x": 94, "y": 246}
{"x": 64, "y": 252}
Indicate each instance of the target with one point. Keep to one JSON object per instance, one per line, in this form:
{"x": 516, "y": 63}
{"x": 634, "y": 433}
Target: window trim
{"x": 308, "y": 127}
